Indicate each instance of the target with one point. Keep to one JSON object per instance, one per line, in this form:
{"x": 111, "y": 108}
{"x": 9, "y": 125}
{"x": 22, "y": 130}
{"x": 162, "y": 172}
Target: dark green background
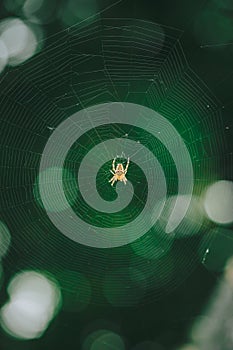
{"x": 165, "y": 319}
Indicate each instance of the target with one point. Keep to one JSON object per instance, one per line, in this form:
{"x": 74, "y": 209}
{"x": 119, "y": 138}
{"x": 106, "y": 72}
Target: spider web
{"x": 105, "y": 61}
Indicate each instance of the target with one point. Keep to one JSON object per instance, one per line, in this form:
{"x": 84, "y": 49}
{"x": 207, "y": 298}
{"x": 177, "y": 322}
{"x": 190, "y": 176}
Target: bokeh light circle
{"x": 192, "y": 221}
{"x": 20, "y": 40}
{"x": 103, "y": 340}
{"x": 3, "y": 55}
{"x": 34, "y": 300}
{"x": 218, "y": 202}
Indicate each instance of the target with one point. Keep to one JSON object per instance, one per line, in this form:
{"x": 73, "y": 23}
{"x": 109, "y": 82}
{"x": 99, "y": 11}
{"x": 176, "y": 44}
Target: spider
{"x": 118, "y": 172}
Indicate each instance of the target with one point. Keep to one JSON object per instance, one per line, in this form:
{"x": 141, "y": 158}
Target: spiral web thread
{"x": 111, "y": 60}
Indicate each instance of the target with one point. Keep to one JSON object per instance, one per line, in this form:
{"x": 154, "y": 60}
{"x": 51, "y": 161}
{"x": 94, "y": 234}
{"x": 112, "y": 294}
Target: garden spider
{"x": 118, "y": 172}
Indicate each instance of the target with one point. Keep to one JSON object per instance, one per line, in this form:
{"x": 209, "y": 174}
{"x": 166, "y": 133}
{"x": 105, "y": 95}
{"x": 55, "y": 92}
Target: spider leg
{"x": 112, "y": 172}
{"x": 111, "y": 179}
{"x": 113, "y": 164}
{"x": 125, "y": 180}
{"x": 127, "y": 165}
